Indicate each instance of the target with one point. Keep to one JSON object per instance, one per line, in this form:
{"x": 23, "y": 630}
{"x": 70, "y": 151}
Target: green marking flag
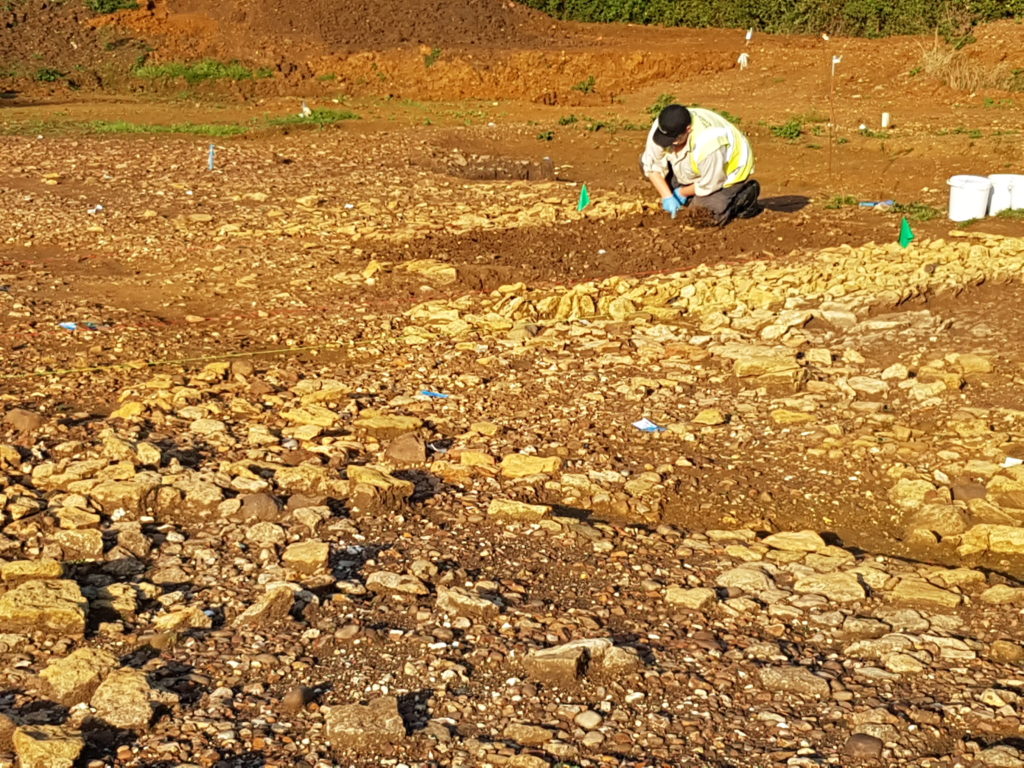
{"x": 584, "y": 199}
{"x": 906, "y": 233}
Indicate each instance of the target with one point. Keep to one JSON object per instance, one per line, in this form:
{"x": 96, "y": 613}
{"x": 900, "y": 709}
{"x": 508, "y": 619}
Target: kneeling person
{"x": 696, "y": 153}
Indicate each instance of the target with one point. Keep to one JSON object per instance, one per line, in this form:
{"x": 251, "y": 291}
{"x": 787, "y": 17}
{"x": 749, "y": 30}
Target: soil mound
{"x": 373, "y": 24}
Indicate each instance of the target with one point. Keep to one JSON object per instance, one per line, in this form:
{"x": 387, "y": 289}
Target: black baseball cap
{"x": 673, "y": 121}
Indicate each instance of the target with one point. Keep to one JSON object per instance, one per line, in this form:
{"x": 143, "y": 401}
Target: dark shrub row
{"x": 868, "y": 18}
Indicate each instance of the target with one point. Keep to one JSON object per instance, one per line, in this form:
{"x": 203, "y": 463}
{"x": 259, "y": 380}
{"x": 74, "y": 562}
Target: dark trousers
{"x": 736, "y": 202}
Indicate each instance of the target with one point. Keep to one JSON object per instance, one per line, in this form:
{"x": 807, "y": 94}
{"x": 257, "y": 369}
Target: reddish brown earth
{"x": 298, "y": 260}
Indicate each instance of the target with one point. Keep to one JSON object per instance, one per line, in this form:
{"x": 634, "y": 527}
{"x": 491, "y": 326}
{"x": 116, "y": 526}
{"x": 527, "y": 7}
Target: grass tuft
{"x": 917, "y": 211}
{"x": 319, "y": 118}
{"x": 197, "y": 129}
{"x": 793, "y": 129}
{"x": 961, "y": 72}
{"x": 839, "y": 201}
{"x": 660, "y": 103}
{"x": 110, "y": 6}
{"x": 198, "y": 71}
{"x": 587, "y": 85}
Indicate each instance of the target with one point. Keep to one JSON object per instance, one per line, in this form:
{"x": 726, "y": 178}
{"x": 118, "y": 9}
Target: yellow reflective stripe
{"x": 740, "y": 163}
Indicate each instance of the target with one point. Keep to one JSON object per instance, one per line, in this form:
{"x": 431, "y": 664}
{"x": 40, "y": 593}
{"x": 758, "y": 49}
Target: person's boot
{"x": 745, "y": 205}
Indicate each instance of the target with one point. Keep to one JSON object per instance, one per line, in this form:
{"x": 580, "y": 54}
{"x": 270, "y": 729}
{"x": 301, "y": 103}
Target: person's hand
{"x": 683, "y": 199}
{"x": 671, "y": 204}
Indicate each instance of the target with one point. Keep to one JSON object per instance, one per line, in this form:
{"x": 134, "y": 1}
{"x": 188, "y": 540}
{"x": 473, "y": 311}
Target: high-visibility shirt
{"x": 716, "y": 154}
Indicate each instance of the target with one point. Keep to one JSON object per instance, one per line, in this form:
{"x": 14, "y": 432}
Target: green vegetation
{"x": 197, "y": 129}
{"x": 971, "y": 133}
{"x": 48, "y": 75}
{"x": 545, "y": 136}
{"x": 319, "y": 118}
{"x": 841, "y": 200}
{"x": 734, "y": 119}
{"x": 109, "y": 6}
{"x": 568, "y": 120}
{"x": 329, "y": 77}
{"x": 198, "y": 71}
{"x": 917, "y": 211}
{"x": 586, "y": 85}
{"x": 1014, "y": 214}
{"x": 875, "y": 134}
{"x": 431, "y": 58}
{"x": 662, "y": 101}
{"x": 867, "y": 18}
{"x": 793, "y": 129}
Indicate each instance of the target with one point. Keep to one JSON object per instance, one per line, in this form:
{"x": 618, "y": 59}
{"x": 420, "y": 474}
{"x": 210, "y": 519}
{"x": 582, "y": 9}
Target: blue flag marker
{"x": 440, "y": 395}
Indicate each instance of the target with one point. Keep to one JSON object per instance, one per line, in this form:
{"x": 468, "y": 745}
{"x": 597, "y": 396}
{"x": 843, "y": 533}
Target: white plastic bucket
{"x": 1007, "y": 192}
{"x": 968, "y": 197}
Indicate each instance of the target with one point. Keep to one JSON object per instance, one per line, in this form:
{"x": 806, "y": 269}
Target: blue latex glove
{"x": 683, "y": 199}
{"x": 671, "y": 205}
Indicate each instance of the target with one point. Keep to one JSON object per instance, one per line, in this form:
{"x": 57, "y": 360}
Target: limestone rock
{"x": 258, "y": 506}
{"x": 407, "y": 449}
{"x": 559, "y": 666}
{"x": 841, "y": 587}
{"x": 710, "y": 417}
{"x": 528, "y": 735}
{"x": 124, "y": 700}
{"x": 1000, "y": 756}
{"x": 74, "y": 678}
{"x": 517, "y": 510}
{"x": 54, "y": 606}
{"x": 47, "y": 746}
{"x": 862, "y": 746}
{"x": 521, "y": 465}
{"x": 307, "y": 557}
{"x": 386, "y": 581}
{"x": 563, "y": 665}
{"x": 315, "y": 415}
{"x": 943, "y": 519}
{"x": 22, "y": 420}
{"x": 1006, "y": 492}
{"x": 1002, "y": 594}
{"x": 362, "y": 728}
{"x": 696, "y": 599}
{"x": 273, "y": 606}
{"x": 768, "y": 362}
{"x": 910, "y": 494}
{"x": 373, "y": 489}
{"x": 746, "y": 578}
{"x": 919, "y": 592}
{"x": 312, "y": 480}
{"x": 80, "y": 545}
{"x": 183, "y": 619}
{"x": 798, "y": 680}
{"x": 7, "y": 728}
{"x": 796, "y": 541}
{"x": 386, "y": 427}
{"x": 19, "y": 571}
{"x": 459, "y": 603}
{"x": 1001, "y": 539}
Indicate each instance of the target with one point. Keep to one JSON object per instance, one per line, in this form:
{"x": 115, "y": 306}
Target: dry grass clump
{"x": 960, "y": 71}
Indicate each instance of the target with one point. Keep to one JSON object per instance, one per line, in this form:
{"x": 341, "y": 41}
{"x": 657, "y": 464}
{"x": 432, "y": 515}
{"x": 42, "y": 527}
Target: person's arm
{"x": 657, "y": 178}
